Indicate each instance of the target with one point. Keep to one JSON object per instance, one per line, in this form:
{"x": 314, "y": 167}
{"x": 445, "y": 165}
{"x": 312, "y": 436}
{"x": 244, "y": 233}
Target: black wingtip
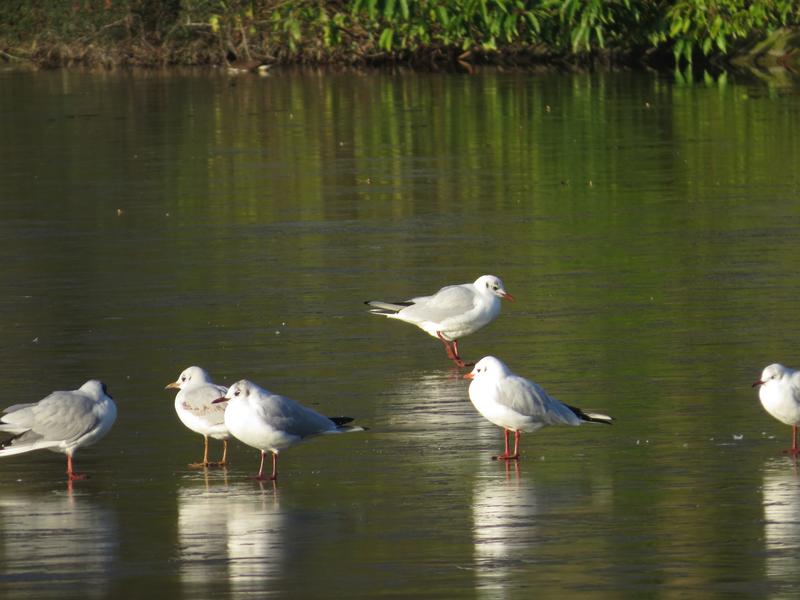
{"x": 8, "y": 442}
{"x": 589, "y": 418}
{"x": 342, "y": 420}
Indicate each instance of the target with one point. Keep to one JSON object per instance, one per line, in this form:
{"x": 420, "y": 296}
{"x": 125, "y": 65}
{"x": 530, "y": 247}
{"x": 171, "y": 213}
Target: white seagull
{"x": 270, "y": 422}
{"x": 779, "y": 392}
{"x": 517, "y": 404}
{"x": 195, "y": 406}
{"x": 452, "y": 312}
{"x": 61, "y": 422}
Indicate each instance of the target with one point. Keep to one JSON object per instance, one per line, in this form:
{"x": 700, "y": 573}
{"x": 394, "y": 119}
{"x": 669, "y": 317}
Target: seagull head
{"x": 95, "y": 388}
{"x": 494, "y": 286}
{"x": 190, "y": 376}
{"x": 239, "y": 390}
{"x": 488, "y": 366}
{"x": 774, "y": 372}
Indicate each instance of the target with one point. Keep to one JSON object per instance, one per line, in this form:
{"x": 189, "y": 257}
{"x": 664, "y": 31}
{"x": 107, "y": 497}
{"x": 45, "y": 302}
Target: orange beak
{"x": 469, "y": 376}
{"x": 508, "y": 297}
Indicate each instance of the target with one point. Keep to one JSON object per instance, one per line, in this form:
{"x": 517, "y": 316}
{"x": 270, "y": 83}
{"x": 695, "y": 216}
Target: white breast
{"x": 779, "y": 401}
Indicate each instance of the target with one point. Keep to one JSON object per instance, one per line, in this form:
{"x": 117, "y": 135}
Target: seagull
{"x": 779, "y": 392}
{"x": 270, "y": 422}
{"x": 195, "y": 408}
{"x": 452, "y": 312}
{"x": 517, "y": 404}
{"x": 61, "y": 422}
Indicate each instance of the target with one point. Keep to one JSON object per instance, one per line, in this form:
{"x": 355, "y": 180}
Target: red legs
{"x": 506, "y": 455}
{"x": 260, "y": 475}
{"x": 448, "y": 346}
{"x": 794, "y": 450}
{"x": 71, "y": 474}
{"x": 458, "y": 356}
{"x": 452, "y": 350}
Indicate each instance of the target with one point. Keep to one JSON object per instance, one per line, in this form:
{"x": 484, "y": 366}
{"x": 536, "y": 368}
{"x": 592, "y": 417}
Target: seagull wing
{"x": 285, "y": 414}
{"x": 61, "y": 416}
{"x": 448, "y": 302}
{"x": 198, "y": 402}
{"x": 531, "y": 400}
{"x": 794, "y": 385}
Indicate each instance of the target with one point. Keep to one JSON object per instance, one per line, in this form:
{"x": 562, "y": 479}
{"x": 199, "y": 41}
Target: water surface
{"x": 647, "y": 229}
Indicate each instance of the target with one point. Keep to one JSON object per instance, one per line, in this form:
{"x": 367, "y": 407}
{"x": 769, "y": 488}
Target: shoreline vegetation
{"x": 423, "y": 34}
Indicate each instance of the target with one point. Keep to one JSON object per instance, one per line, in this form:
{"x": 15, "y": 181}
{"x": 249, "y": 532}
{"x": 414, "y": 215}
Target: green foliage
{"x": 352, "y": 31}
{"x": 624, "y": 25}
{"x": 405, "y": 26}
{"x": 394, "y": 29}
{"x": 715, "y": 26}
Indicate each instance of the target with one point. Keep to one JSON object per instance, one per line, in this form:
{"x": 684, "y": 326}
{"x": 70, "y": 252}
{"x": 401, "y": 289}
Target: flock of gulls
{"x": 67, "y": 420}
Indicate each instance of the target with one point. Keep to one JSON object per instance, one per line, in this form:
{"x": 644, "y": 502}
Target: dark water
{"x": 647, "y": 228}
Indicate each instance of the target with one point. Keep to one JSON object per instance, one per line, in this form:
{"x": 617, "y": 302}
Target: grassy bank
{"x": 424, "y": 33}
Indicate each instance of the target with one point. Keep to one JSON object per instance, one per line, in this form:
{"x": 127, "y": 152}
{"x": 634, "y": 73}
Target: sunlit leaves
{"x": 396, "y": 29}
{"x": 714, "y": 26}
{"x": 385, "y": 41}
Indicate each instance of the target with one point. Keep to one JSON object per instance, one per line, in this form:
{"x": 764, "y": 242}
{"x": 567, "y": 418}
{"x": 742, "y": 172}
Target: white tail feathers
{"x": 385, "y": 305}
{"x": 13, "y": 429}
{"x": 345, "y": 429}
{"x": 27, "y": 447}
{"x": 598, "y": 418}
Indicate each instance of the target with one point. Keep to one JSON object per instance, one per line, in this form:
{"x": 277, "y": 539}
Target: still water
{"x": 647, "y": 228}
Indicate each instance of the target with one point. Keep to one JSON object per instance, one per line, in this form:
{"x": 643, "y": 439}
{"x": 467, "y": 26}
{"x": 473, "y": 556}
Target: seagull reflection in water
{"x": 429, "y": 415}
{"x": 56, "y": 546}
{"x": 430, "y": 402}
{"x": 781, "y": 500}
{"x": 504, "y": 523}
{"x": 230, "y": 533}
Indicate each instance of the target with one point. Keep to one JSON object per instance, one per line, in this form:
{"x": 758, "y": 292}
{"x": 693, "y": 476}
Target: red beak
{"x": 508, "y": 297}
{"x": 469, "y": 376}
{"x": 758, "y": 383}
{"x": 218, "y": 400}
